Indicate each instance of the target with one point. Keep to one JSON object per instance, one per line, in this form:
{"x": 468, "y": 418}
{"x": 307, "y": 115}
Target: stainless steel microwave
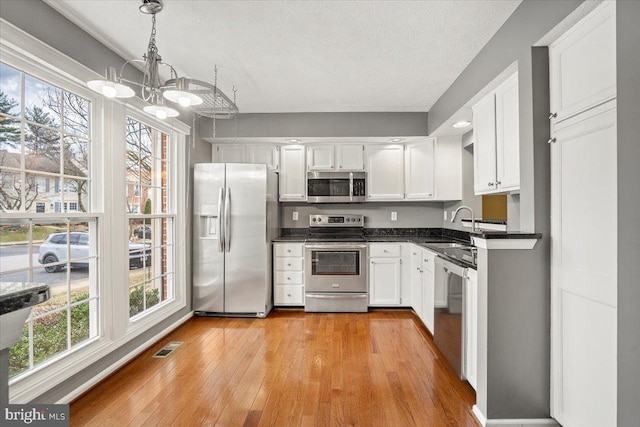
{"x": 336, "y": 187}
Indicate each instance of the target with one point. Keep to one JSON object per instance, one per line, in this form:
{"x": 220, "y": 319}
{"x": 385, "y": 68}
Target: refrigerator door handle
{"x": 227, "y": 220}
{"x": 220, "y": 229}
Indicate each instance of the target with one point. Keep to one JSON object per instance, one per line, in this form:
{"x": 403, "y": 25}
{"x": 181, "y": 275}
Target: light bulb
{"x": 109, "y": 91}
{"x": 184, "y": 101}
{"x": 161, "y": 114}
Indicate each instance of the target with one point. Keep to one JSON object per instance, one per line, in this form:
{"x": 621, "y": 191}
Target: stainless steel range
{"x": 335, "y": 264}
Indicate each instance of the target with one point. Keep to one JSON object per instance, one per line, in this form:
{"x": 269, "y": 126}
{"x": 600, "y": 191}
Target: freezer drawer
{"x": 335, "y": 302}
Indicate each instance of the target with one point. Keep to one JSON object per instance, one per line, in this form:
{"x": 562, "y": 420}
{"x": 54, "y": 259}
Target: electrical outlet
{"x": 445, "y": 215}
{"x": 295, "y": 216}
{"x": 394, "y": 216}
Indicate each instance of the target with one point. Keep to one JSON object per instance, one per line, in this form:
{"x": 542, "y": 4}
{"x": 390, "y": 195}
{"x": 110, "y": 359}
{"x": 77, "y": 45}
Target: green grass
{"x": 20, "y": 233}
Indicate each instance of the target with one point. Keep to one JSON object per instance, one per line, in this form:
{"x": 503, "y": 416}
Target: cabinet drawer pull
{"x": 490, "y": 184}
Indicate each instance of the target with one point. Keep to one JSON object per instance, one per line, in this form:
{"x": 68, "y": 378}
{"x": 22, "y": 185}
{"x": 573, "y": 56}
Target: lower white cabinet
{"x": 385, "y": 284}
{"x": 288, "y": 274}
{"x": 416, "y": 288}
{"x": 471, "y": 327}
{"x": 428, "y": 283}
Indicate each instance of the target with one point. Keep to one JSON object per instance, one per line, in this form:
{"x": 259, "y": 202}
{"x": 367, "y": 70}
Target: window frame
{"x": 21, "y": 50}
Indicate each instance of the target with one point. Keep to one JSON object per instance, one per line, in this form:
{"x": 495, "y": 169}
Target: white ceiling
{"x": 306, "y": 56}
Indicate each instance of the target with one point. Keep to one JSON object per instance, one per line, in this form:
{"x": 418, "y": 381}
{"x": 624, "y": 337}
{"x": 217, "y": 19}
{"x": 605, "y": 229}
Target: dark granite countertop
{"x": 505, "y": 235}
{"x": 18, "y": 295}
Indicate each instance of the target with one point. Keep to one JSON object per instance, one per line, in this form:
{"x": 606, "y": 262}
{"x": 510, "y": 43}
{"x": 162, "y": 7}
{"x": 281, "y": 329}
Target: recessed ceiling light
{"x": 396, "y": 140}
{"x": 461, "y": 124}
{"x": 293, "y": 141}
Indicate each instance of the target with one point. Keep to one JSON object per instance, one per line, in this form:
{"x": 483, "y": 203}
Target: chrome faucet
{"x": 473, "y": 218}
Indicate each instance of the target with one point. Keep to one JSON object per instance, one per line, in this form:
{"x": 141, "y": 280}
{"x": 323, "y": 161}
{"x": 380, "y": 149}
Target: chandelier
{"x": 203, "y": 98}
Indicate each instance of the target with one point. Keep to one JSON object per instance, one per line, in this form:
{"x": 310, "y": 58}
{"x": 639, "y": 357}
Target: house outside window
{"x": 46, "y": 133}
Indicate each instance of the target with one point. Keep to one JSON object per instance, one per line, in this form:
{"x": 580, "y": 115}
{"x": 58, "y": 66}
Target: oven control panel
{"x": 336, "y": 220}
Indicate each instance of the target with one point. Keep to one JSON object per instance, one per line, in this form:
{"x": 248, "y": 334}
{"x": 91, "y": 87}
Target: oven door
{"x": 335, "y": 268}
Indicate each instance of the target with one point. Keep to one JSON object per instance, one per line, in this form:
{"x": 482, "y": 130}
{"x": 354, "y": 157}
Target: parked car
{"x": 54, "y": 249}
{"x": 142, "y": 232}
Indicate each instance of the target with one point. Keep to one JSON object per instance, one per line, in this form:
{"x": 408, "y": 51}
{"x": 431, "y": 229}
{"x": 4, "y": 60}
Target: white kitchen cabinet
{"x": 428, "y": 291}
{"x": 230, "y": 153}
{"x": 582, "y": 64}
{"x": 264, "y": 153}
{"x": 288, "y": 274}
{"x": 251, "y": 153}
{"x": 471, "y": 327}
{"x": 419, "y": 170}
{"x": 320, "y": 157}
{"x": 496, "y": 151}
{"x": 385, "y": 276}
{"x": 385, "y": 172}
{"x": 416, "y": 289}
{"x": 293, "y": 173}
{"x": 349, "y": 157}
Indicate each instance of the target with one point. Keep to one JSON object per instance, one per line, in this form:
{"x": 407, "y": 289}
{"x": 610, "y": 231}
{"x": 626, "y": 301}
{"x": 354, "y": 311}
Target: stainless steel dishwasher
{"x": 450, "y": 319}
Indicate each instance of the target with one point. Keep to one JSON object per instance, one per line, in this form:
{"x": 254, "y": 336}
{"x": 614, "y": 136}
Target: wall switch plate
{"x": 445, "y": 215}
{"x": 295, "y": 216}
{"x": 394, "y": 216}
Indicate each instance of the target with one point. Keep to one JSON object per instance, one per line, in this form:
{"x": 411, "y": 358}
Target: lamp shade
{"x": 110, "y": 87}
{"x": 161, "y": 111}
{"x": 180, "y": 94}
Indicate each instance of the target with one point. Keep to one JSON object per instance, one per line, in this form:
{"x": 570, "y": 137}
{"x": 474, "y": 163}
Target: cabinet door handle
{"x": 551, "y": 141}
{"x": 490, "y": 184}
{"x": 288, "y": 295}
{"x": 289, "y": 265}
{"x": 553, "y": 116}
{"x": 289, "y": 250}
{"x": 498, "y": 182}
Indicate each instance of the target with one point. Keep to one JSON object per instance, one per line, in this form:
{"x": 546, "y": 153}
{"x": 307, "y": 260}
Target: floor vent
{"x": 168, "y": 349}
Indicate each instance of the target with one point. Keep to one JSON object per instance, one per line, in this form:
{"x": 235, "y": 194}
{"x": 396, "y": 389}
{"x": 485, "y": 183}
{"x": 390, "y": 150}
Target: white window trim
{"x": 37, "y": 58}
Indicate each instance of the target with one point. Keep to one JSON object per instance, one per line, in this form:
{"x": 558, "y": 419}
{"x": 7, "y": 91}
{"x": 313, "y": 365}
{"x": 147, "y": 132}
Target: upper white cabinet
{"x": 269, "y": 154}
{"x": 419, "y": 171}
{"x": 335, "y": 157}
{"x": 253, "y": 153}
{"x": 229, "y": 154}
{"x": 349, "y": 157}
{"x": 293, "y": 178}
{"x": 497, "y": 140}
{"x": 582, "y": 64}
{"x": 320, "y": 158}
{"x": 385, "y": 172}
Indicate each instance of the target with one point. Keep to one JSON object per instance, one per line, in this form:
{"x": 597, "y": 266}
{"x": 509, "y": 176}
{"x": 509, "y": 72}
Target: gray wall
{"x": 468, "y": 196}
{"x": 378, "y": 214}
{"x": 628, "y": 80}
{"x": 44, "y": 23}
{"x": 318, "y": 124}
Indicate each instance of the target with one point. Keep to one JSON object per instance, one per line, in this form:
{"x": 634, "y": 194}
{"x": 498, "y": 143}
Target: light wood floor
{"x": 291, "y": 369}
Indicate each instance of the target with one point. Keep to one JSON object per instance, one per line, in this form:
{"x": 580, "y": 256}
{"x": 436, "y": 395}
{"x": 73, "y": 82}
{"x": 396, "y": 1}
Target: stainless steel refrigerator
{"x": 235, "y": 219}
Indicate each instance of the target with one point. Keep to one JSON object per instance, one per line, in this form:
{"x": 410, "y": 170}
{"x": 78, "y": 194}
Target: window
{"x": 151, "y": 217}
{"x": 45, "y": 135}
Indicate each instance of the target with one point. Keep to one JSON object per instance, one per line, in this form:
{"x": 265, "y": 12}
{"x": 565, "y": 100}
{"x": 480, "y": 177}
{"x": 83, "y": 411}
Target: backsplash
{"x": 377, "y": 215}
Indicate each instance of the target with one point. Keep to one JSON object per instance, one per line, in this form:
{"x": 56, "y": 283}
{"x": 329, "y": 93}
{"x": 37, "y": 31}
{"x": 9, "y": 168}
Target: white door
{"x": 267, "y": 154}
{"x": 349, "y": 157}
{"x": 320, "y": 158}
{"x": 229, "y": 154}
{"x": 584, "y": 269}
{"x": 293, "y": 179}
{"x": 385, "y": 172}
{"x": 384, "y": 281}
{"x": 484, "y": 147}
{"x": 508, "y": 135}
{"x": 419, "y": 174}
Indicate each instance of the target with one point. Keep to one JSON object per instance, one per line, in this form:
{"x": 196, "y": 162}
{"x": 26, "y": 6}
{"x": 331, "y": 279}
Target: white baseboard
{"x": 516, "y": 422}
{"x": 122, "y": 361}
{"x": 479, "y": 415}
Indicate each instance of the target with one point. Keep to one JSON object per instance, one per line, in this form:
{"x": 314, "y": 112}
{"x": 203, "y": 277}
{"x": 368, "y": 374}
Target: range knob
{"x": 313, "y": 219}
{"x": 319, "y": 219}
{"x": 358, "y": 219}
